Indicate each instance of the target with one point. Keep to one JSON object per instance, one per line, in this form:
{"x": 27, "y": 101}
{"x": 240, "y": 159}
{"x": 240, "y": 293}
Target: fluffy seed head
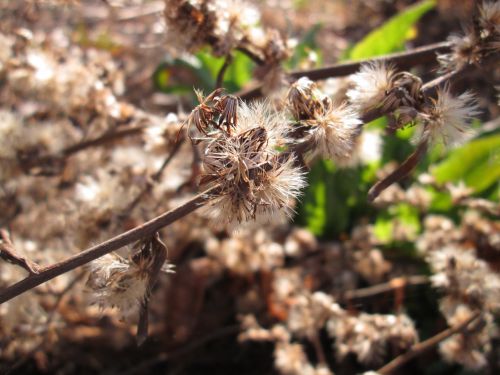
{"x": 116, "y": 282}
{"x": 335, "y": 133}
{"x": 256, "y": 182}
{"x": 370, "y": 85}
{"x": 489, "y": 20}
{"x": 126, "y": 283}
{"x": 448, "y": 119}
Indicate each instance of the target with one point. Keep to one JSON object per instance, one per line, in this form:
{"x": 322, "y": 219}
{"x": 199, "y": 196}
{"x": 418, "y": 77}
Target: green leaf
{"x": 391, "y": 35}
{"x": 476, "y": 163}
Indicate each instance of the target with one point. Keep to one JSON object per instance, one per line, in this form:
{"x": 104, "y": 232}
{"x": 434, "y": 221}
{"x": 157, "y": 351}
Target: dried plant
{"x": 89, "y": 160}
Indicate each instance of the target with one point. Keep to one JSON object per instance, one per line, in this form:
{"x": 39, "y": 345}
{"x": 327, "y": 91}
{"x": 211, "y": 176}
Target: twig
{"x": 403, "y": 60}
{"x": 424, "y": 346}
{"x": 110, "y": 136}
{"x": 401, "y": 172}
{"x": 152, "y": 180}
{"x": 86, "y": 256}
{"x": 220, "y": 76}
{"x": 103, "y": 139}
{"x": 431, "y": 85}
{"x": 256, "y": 59}
{"x": 8, "y": 252}
{"x": 375, "y": 290}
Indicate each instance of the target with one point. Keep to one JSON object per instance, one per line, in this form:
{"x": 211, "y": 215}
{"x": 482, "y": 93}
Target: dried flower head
{"x": 489, "y": 19}
{"x": 370, "y": 85}
{"x": 447, "y": 120}
{"x": 333, "y": 128}
{"x": 126, "y": 283}
{"x": 480, "y": 40}
{"x": 465, "y": 277}
{"x": 255, "y": 181}
{"x": 464, "y": 51}
{"x": 305, "y": 100}
{"x": 214, "y": 111}
{"x": 335, "y": 132}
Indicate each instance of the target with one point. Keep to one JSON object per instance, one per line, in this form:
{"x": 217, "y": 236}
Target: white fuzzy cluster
{"x": 117, "y": 283}
{"x": 279, "y": 182}
{"x": 368, "y": 335}
{"x": 369, "y": 85}
{"x": 336, "y": 132}
{"x": 448, "y": 122}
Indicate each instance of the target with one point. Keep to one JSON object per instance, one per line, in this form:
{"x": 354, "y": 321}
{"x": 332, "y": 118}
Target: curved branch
{"x": 86, "y": 256}
{"x": 401, "y": 172}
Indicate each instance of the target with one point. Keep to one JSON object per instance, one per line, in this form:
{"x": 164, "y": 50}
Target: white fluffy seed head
{"x": 256, "y": 183}
{"x": 117, "y": 283}
{"x": 370, "y": 85}
{"x": 448, "y": 120}
{"x": 335, "y": 133}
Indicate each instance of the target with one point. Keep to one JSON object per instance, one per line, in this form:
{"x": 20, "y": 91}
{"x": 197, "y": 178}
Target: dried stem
{"x": 152, "y": 180}
{"x": 403, "y": 60}
{"x": 105, "y": 138}
{"x": 8, "y": 253}
{"x": 86, "y": 256}
{"x": 401, "y": 172}
{"x": 220, "y": 76}
{"x": 426, "y": 345}
{"x": 318, "y": 348}
{"x": 375, "y": 290}
{"x": 256, "y": 59}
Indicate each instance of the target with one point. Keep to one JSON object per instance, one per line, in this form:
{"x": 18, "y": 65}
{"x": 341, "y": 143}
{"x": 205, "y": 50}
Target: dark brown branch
{"x": 8, "y": 253}
{"x": 220, "y": 76}
{"x": 402, "y": 60}
{"x": 105, "y": 138}
{"x": 256, "y": 59}
{"x": 401, "y": 172}
{"x": 424, "y": 346}
{"x": 58, "y": 159}
{"x": 86, "y": 256}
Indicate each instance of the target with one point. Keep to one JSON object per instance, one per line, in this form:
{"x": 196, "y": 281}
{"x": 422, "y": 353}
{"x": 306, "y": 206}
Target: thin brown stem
{"x": 401, "y": 172}
{"x": 431, "y": 85}
{"x": 152, "y": 180}
{"x": 426, "y": 345}
{"x": 390, "y": 286}
{"x": 318, "y": 348}
{"x": 220, "y": 76}
{"x": 86, "y": 256}
{"x": 255, "y": 58}
{"x": 105, "y": 138}
{"x": 9, "y": 253}
{"x": 402, "y": 60}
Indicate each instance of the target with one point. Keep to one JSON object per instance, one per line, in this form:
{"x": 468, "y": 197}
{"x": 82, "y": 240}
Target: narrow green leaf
{"x": 476, "y": 163}
{"x": 391, "y": 35}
